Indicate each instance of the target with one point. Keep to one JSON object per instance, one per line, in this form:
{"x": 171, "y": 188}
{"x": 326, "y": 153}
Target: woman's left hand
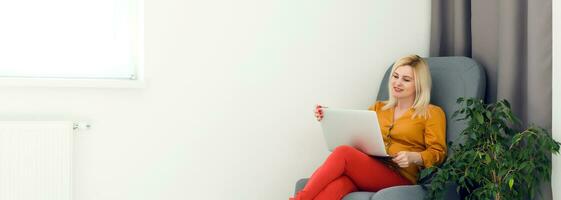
{"x": 406, "y": 158}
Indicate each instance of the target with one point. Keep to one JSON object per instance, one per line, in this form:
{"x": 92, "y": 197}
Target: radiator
{"x": 36, "y": 160}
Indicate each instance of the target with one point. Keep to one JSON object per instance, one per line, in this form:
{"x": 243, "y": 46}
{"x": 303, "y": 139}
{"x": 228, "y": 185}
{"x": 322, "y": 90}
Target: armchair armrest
{"x": 414, "y": 192}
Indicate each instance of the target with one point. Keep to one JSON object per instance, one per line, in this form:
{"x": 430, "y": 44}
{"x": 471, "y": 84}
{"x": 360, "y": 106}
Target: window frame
{"x": 137, "y": 82}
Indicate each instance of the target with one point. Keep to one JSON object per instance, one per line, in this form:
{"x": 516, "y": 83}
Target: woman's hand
{"x": 319, "y": 112}
{"x": 406, "y": 158}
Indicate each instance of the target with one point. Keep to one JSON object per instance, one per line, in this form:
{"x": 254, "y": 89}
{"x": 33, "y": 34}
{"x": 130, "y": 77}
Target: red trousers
{"x": 347, "y": 170}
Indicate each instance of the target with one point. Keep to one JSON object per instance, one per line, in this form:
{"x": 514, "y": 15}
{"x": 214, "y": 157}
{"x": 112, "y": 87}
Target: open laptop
{"x": 351, "y": 127}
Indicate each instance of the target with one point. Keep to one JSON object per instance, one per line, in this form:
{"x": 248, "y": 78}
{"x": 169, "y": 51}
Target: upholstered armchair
{"x": 452, "y": 77}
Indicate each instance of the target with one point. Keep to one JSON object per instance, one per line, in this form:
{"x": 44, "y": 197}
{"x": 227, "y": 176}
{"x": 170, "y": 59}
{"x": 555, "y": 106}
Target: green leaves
{"x": 487, "y": 159}
{"x": 495, "y": 160}
{"x": 479, "y": 117}
{"x": 426, "y": 172}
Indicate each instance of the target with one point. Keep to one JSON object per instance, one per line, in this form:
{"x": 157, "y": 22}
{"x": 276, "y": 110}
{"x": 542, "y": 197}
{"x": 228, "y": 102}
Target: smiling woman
{"x": 80, "y": 39}
{"x": 410, "y": 78}
{"x": 414, "y": 134}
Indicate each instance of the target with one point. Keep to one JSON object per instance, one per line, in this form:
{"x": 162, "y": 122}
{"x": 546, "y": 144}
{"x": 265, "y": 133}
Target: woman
{"x": 414, "y": 133}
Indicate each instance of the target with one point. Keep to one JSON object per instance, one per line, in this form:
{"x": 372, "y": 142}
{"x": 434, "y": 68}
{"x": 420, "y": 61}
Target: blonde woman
{"x": 414, "y": 133}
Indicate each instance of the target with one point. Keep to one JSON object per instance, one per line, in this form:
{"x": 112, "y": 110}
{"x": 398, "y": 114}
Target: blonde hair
{"x": 422, "y": 85}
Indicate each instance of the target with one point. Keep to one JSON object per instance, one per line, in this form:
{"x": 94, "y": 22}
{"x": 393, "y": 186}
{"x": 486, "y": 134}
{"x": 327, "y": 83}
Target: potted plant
{"x": 496, "y": 161}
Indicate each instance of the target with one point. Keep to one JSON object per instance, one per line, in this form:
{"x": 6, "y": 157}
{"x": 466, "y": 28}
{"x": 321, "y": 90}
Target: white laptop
{"x": 348, "y": 127}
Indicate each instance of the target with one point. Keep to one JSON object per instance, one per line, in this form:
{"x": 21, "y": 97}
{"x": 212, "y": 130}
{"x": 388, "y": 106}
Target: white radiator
{"x": 36, "y": 160}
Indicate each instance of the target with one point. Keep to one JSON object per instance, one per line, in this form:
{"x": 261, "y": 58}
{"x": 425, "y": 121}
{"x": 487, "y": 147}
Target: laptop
{"x": 353, "y": 127}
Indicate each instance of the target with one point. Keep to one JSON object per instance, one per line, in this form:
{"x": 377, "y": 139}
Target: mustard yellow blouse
{"x": 427, "y": 136}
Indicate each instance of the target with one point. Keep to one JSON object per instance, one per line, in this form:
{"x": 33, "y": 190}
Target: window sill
{"x": 72, "y": 83}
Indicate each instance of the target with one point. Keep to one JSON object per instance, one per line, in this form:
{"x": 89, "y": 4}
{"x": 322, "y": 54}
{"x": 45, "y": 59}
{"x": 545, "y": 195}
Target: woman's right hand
{"x": 319, "y": 112}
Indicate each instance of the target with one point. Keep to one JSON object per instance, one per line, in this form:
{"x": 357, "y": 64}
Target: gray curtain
{"x": 512, "y": 40}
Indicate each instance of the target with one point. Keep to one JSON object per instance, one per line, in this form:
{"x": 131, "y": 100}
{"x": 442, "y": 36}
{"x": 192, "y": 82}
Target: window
{"x": 74, "y": 39}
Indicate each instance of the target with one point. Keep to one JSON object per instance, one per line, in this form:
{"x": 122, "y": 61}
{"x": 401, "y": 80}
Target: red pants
{"x": 347, "y": 170}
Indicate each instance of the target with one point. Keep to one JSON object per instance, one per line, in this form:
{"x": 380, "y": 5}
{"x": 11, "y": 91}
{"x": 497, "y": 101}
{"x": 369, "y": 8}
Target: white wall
{"x": 227, "y": 113}
{"x": 556, "y": 101}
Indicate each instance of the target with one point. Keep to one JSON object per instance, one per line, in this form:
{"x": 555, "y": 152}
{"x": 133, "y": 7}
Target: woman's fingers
{"x": 319, "y": 108}
{"x": 398, "y": 158}
{"x": 319, "y": 116}
{"x": 402, "y": 163}
{"x": 319, "y": 112}
{"x": 401, "y": 159}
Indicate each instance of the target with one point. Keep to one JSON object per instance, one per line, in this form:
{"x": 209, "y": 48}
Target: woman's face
{"x": 403, "y": 82}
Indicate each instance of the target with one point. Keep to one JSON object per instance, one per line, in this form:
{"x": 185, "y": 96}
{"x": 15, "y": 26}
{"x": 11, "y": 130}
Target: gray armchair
{"x": 452, "y": 77}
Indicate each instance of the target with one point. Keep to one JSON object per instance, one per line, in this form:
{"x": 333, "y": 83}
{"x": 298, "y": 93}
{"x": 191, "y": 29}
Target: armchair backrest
{"x": 452, "y": 77}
